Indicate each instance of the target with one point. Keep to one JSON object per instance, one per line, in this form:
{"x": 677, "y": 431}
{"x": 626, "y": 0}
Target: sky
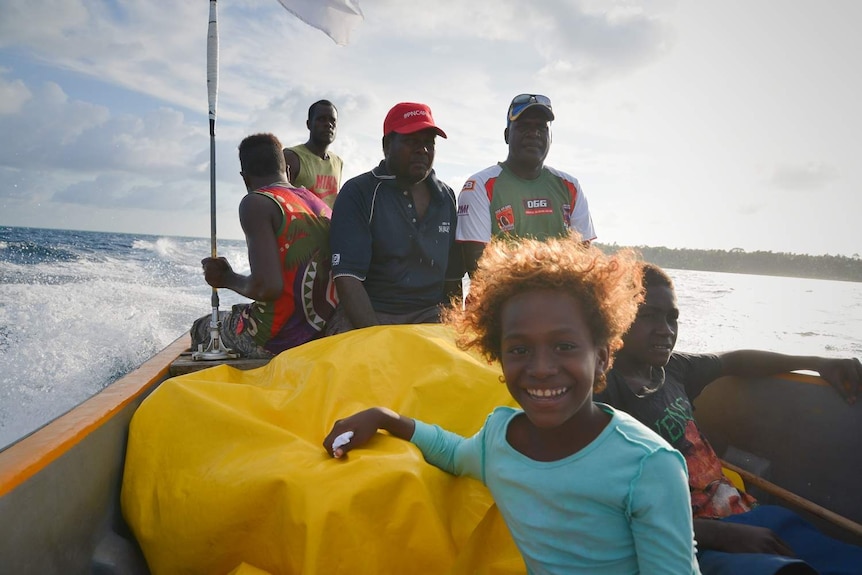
{"x": 689, "y": 124}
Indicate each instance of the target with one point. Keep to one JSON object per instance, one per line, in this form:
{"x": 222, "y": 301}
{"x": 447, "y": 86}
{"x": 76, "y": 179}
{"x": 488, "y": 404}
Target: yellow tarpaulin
{"x": 226, "y": 472}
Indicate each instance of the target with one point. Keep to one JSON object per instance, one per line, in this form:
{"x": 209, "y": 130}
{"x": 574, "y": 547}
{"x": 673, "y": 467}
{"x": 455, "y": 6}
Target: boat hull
{"x": 796, "y": 432}
{"x": 59, "y": 486}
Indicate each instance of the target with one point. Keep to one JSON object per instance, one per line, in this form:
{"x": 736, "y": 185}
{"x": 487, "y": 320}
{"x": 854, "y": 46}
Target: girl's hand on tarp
{"x": 355, "y": 431}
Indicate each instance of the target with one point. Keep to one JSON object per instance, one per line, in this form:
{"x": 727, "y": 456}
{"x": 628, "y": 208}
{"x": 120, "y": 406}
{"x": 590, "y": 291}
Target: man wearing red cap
{"x": 394, "y": 256}
{"x": 522, "y": 196}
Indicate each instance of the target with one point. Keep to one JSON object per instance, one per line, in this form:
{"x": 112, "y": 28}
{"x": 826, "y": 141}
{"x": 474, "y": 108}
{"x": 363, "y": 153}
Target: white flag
{"x": 336, "y": 18}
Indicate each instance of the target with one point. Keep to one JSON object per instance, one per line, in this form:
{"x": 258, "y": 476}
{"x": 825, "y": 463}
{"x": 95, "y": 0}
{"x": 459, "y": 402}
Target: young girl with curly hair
{"x": 583, "y": 488}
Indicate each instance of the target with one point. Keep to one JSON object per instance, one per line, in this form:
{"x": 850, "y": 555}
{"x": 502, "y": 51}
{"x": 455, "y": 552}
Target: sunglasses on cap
{"x": 522, "y": 102}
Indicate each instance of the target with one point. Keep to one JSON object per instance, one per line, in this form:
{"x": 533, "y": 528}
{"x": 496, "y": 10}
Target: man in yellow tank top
{"x": 311, "y": 165}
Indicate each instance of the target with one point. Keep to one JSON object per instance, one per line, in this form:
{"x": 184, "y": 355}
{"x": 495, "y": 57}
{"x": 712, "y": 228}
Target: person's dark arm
{"x": 453, "y": 284}
{"x": 354, "y": 299}
{"x": 471, "y": 252}
{"x": 845, "y": 375}
{"x": 351, "y": 244}
{"x": 454, "y": 289}
{"x": 738, "y": 538}
{"x": 292, "y": 161}
{"x": 260, "y": 217}
{"x": 364, "y": 425}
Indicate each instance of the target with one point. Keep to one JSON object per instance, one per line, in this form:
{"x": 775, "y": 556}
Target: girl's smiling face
{"x": 549, "y": 358}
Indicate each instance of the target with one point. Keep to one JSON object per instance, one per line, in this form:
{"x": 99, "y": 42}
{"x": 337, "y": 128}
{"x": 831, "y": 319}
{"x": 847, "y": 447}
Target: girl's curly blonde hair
{"x": 609, "y": 289}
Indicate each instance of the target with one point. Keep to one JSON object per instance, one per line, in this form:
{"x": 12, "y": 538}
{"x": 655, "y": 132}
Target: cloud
{"x": 25, "y": 21}
{"x": 115, "y": 190}
{"x": 44, "y": 121}
{"x": 150, "y": 48}
{"x": 611, "y": 41}
{"x": 56, "y": 149}
{"x": 13, "y": 95}
{"x": 146, "y": 47}
{"x": 798, "y": 177}
{"x": 751, "y": 208}
{"x": 51, "y": 131}
{"x": 17, "y": 184}
{"x": 599, "y": 38}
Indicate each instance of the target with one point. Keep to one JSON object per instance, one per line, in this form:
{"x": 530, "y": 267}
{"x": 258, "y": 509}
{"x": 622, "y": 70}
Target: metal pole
{"x": 216, "y": 349}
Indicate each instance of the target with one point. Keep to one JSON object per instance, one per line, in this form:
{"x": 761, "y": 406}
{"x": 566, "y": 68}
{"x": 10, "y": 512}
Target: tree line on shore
{"x": 762, "y": 263}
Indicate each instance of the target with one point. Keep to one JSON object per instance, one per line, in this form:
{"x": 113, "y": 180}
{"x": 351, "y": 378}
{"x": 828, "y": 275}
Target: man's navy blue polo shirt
{"x": 377, "y": 237}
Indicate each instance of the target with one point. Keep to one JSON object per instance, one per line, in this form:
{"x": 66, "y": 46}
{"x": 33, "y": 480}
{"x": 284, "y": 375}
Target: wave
{"x": 32, "y": 253}
{"x": 188, "y": 252}
{"x": 164, "y": 247}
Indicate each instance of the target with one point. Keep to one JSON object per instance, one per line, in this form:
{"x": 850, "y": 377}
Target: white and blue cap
{"x": 523, "y": 102}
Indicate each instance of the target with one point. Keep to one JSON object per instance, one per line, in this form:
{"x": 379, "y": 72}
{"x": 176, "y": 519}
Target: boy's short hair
{"x": 261, "y": 155}
{"x": 654, "y": 276}
{"x": 609, "y": 289}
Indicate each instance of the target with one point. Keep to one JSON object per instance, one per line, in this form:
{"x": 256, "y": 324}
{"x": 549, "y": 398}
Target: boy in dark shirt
{"x": 657, "y": 386}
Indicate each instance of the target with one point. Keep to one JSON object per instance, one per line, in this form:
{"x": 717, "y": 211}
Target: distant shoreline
{"x": 738, "y": 261}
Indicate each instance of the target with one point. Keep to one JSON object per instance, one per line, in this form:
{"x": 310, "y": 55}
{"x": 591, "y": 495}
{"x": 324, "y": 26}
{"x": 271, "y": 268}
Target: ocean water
{"x": 80, "y": 309}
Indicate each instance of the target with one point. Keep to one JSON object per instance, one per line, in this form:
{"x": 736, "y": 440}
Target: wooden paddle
{"x": 800, "y": 502}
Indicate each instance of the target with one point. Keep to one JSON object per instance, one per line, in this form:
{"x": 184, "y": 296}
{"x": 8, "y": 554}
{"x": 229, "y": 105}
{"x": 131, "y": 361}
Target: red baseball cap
{"x": 409, "y": 117}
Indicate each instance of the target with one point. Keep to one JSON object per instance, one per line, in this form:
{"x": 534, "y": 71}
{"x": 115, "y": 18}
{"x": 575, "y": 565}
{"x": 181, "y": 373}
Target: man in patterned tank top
{"x": 287, "y": 233}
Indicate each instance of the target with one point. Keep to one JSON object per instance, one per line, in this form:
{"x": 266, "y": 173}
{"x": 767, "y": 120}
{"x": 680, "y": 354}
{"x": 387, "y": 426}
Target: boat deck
{"x": 185, "y": 364}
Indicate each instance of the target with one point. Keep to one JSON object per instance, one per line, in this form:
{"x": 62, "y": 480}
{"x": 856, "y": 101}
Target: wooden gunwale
{"x": 24, "y": 459}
